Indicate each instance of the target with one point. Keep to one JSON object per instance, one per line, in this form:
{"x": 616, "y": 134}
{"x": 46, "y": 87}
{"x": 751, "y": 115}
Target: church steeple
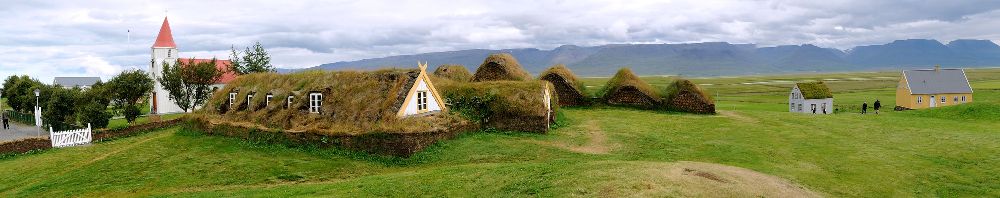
{"x": 165, "y": 38}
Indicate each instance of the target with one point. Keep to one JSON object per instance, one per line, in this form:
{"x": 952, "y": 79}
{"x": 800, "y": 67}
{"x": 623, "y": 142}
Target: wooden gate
{"x": 70, "y": 137}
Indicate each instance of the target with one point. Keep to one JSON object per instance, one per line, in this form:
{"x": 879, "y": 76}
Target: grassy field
{"x": 601, "y": 151}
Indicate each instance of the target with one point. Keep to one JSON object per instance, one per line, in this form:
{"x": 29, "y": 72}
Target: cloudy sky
{"x": 91, "y": 38}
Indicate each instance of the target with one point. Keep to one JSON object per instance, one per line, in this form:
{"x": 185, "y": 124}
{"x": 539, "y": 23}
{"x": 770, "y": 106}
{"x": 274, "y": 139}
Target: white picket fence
{"x": 70, "y": 138}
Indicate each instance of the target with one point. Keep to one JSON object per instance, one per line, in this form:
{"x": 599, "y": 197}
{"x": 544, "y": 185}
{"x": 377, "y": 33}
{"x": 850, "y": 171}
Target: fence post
{"x": 52, "y": 137}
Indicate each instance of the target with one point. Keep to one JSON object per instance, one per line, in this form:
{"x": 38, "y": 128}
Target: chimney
{"x": 937, "y": 68}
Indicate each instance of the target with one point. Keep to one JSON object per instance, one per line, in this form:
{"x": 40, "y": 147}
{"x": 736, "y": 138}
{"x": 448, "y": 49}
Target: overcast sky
{"x": 44, "y": 39}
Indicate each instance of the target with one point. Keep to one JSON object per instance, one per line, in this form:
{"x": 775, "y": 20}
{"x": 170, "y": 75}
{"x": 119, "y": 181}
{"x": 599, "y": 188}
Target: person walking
{"x": 5, "y": 120}
{"x": 864, "y": 107}
{"x": 877, "y": 105}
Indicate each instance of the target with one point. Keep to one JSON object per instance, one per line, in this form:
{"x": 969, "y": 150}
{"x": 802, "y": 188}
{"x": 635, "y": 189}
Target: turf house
{"x": 811, "y": 97}
{"x": 527, "y": 106}
{"x": 626, "y": 89}
{"x": 569, "y": 89}
{"x": 391, "y": 111}
{"x": 498, "y": 67}
{"x": 685, "y": 96}
{"x": 456, "y": 73}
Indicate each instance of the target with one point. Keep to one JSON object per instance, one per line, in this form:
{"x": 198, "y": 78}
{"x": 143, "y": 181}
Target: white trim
{"x": 267, "y": 100}
{"x": 967, "y": 81}
{"x": 907, "y": 82}
{"x": 315, "y": 102}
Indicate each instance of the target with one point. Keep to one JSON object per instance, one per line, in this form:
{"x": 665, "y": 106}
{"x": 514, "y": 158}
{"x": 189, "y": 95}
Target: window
{"x": 800, "y": 107}
{"x": 315, "y": 102}
{"x": 920, "y": 99}
{"x": 289, "y": 103}
{"x": 169, "y": 52}
{"x": 232, "y": 98}
{"x": 249, "y": 98}
{"x": 944, "y": 99}
{"x": 956, "y": 99}
{"x": 267, "y": 101}
{"x": 791, "y": 107}
{"x": 963, "y": 98}
{"x": 421, "y": 100}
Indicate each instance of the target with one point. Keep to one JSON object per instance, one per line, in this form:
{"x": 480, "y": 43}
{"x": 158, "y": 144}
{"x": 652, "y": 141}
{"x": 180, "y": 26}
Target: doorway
{"x": 933, "y": 102}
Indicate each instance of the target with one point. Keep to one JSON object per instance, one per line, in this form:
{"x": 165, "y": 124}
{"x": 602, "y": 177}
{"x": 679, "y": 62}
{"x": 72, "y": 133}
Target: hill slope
{"x": 715, "y": 58}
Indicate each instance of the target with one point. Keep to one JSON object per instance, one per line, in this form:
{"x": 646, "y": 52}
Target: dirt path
{"x": 737, "y": 116}
{"x": 597, "y": 141}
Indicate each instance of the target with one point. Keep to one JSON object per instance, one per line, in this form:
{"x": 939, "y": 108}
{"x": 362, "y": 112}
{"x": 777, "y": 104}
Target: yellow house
{"x": 929, "y": 88}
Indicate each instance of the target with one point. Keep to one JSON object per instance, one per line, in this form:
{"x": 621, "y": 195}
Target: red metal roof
{"x": 222, "y": 65}
{"x": 165, "y": 38}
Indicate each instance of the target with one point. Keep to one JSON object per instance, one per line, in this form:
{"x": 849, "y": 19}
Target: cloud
{"x": 49, "y": 38}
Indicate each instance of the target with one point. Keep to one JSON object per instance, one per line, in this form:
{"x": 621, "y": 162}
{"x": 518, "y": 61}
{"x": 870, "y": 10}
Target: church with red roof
{"x": 164, "y": 50}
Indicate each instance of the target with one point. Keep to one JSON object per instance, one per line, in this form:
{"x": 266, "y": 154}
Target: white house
{"x": 164, "y": 50}
{"x": 70, "y": 82}
{"x": 811, "y": 97}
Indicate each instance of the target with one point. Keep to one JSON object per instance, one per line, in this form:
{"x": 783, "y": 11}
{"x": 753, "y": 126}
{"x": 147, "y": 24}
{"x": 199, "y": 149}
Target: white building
{"x": 811, "y": 97}
{"x": 164, "y": 50}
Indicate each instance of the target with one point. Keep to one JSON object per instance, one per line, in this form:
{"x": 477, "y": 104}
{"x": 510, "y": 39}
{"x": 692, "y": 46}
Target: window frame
{"x": 315, "y": 102}
{"x": 920, "y": 99}
{"x": 963, "y": 99}
{"x": 267, "y": 99}
{"x": 232, "y": 98}
{"x": 944, "y": 99}
{"x": 421, "y": 100}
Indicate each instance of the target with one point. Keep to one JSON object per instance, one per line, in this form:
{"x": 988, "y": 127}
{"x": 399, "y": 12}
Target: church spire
{"x": 165, "y": 38}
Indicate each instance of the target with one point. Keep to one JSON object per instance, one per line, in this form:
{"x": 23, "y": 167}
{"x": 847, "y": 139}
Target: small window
{"x": 956, "y": 99}
{"x": 792, "y": 107}
{"x": 963, "y": 98}
{"x": 944, "y": 99}
{"x": 267, "y": 101}
{"x": 289, "y": 103}
{"x": 421, "y": 100}
{"x": 920, "y": 99}
{"x": 232, "y": 98}
{"x": 315, "y": 102}
{"x": 800, "y": 107}
{"x": 249, "y": 98}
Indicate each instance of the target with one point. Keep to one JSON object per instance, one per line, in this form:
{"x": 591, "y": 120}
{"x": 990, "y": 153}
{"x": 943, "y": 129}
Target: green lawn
{"x": 601, "y": 152}
{"x": 118, "y": 123}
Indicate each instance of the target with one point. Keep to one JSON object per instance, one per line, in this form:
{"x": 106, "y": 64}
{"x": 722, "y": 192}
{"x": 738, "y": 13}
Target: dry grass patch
{"x": 695, "y": 179}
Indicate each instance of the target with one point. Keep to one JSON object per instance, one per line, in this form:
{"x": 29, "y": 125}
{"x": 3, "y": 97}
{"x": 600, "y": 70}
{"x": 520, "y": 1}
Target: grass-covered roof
{"x": 563, "y": 72}
{"x": 624, "y": 78}
{"x": 453, "y": 72}
{"x": 499, "y": 67}
{"x": 503, "y": 97}
{"x": 814, "y": 90}
{"x": 353, "y": 101}
{"x": 680, "y": 85}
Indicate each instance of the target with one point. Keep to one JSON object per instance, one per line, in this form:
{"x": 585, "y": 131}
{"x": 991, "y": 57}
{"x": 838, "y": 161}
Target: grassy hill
{"x": 598, "y": 152}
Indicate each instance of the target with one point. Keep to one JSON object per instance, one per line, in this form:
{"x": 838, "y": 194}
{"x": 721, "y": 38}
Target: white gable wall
{"x": 411, "y": 105}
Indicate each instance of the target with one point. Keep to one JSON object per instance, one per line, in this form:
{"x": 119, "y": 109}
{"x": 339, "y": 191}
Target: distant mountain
{"x": 712, "y": 58}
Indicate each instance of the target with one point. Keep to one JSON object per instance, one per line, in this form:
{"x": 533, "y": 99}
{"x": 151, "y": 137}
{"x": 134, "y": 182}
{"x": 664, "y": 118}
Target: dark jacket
{"x": 878, "y": 104}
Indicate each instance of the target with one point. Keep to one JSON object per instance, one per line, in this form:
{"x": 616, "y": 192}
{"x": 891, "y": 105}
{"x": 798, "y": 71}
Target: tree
{"x": 92, "y": 106}
{"x": 20, "y": 92}
{"x": 127, "y": 88}
{"x": 188, "y": 82}
{"x": 254, "y": 60}
{"x": 59, "y": 109}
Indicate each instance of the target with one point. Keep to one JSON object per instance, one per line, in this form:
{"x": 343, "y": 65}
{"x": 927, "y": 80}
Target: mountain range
{"x": 713, "y": 58}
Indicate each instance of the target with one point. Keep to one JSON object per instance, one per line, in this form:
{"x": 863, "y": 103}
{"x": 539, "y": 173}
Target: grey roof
{"x": 75, "y": 81}
{"x": 930, "y": 81}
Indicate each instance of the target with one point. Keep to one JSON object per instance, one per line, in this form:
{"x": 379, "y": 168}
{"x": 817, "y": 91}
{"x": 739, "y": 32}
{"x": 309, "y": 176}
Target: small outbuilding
{"x": 685, "y": 96}
{"x": 500, "y": 67}
{"x": 527, "y": 106}
{"x": 811, "y": 97}
{"x": 929, "y": 88}
{"x": 456, "y": 73}
{"x": 625, "y": 88}
{"x": 569, "y": 89}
